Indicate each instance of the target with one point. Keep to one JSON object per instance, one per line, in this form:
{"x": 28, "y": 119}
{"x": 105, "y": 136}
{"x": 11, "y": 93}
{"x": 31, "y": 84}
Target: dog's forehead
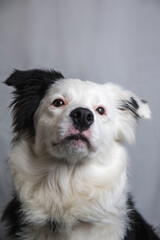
{"x": 78, "y": 88}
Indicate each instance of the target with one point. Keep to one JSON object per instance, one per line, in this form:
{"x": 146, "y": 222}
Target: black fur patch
{"x": 131, "y": 105}
{"x": 134, "y": 103}
{"x": 14, "y": 218}
{"x": 138, "y": 229}
{"x": 31, "y": 86}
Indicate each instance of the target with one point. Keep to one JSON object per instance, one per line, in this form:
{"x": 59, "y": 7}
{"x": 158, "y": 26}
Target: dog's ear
{"x": 30, "y": 87}
{"x": 130, "y": 108}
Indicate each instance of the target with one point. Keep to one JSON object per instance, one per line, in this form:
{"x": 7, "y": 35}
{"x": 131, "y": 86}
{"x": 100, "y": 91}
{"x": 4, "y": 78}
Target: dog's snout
{"x": 82, "y": 118}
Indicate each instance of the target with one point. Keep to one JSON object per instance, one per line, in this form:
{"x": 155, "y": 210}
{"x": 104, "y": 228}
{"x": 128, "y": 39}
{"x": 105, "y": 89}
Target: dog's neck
{"x": 52, "y": 190}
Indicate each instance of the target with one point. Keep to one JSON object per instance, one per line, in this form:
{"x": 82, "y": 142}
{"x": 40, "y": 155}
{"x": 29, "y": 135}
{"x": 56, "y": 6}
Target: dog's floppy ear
{"x": 30, "y": 87}
{"x": 129, "y": 109}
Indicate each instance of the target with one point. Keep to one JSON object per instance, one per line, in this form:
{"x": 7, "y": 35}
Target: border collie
{"x": 68, "y": 161}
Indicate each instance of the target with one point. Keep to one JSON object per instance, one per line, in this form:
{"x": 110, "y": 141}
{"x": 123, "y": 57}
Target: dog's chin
{"x": 75, "y": 146}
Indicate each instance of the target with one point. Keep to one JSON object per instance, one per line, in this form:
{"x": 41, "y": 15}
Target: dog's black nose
{"x": 82, "y": 118}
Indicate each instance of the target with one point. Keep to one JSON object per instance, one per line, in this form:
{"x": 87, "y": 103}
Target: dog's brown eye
{"x": 58, "y": 103}
{"x": 100, "y": 110}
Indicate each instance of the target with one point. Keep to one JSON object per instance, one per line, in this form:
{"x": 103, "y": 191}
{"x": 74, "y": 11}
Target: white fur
{"x": 82, "y": 187}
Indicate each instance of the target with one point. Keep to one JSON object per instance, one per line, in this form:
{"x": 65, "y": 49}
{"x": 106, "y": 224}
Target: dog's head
{"x": 70, "y": 118}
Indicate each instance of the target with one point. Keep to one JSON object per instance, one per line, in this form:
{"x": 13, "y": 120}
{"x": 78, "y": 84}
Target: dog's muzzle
{"x": 82, "y": 118}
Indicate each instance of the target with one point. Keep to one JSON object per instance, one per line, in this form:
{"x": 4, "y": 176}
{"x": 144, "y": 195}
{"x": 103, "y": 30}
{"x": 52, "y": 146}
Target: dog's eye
{"x": 58, "y": 103}
{"x": 100, "y": 110}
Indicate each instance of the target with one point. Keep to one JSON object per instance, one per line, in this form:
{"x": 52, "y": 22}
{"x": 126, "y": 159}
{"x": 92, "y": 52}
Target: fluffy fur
{"x": 68, "y": 162}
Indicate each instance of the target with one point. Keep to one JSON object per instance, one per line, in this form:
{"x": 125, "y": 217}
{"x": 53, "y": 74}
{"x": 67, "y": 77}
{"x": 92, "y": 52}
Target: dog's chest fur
{"x": 94, "y": 194}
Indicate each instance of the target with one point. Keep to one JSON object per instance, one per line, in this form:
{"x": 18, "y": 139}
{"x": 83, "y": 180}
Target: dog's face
{"x": 73, "y": 119}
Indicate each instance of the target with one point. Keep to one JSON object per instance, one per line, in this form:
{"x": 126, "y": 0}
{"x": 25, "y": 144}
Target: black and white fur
{"x": 68, "y": 162}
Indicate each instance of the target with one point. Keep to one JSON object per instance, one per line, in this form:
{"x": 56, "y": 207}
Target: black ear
{"x": 30, "y": 87}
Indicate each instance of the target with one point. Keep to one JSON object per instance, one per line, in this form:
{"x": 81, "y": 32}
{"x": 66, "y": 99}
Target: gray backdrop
{"x": 99, "y": 40}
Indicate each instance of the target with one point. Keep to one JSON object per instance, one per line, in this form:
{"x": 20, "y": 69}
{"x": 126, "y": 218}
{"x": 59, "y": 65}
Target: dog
{"x": 68, "y": 161}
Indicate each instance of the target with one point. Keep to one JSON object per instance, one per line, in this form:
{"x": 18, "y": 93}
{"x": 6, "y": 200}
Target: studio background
{"x": 98, "y": 40}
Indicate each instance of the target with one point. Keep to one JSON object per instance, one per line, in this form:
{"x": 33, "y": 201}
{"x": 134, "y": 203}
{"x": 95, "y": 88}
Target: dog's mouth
{"x": 74, "y": 137}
